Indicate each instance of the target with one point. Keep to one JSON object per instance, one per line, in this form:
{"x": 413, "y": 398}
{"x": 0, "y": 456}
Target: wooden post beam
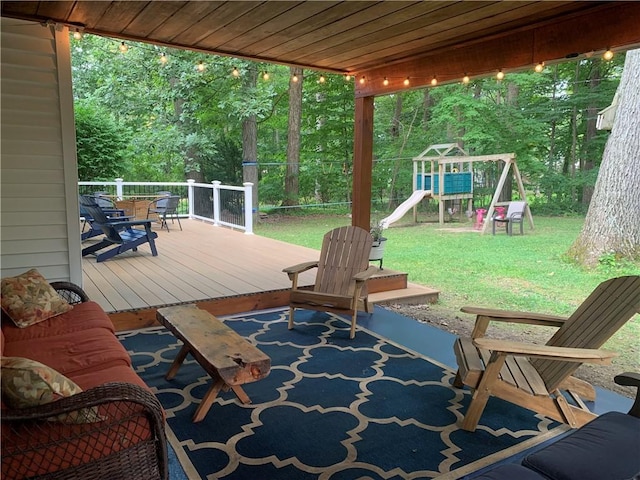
{"x": 362, "y": 162}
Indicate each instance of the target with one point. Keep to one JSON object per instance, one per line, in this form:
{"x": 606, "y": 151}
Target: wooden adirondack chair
{"x": 343, "y": 270}
{"x": 535, "y": 376}
{"x": 119, "y": 235}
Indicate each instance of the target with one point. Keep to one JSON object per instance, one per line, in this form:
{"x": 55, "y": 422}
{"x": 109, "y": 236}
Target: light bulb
{"x": 163, "y": 58}
{"x": 608, "y": 55}
{"x": 265, "y": 76}
{"x": 123, "y": 47}
{"x": 77, "y": 34}
{"x": 235, "y": 72}
{"x": 385, "y": 82}
{"x": 201, "y": 66}
{"x": 321, "y": 79}
{"x": 539, "y": 67}
{"x": 434, "y": 81}
{"x": 406, "y": 82}
{"x": 465, "y": 79}
{"x": 362, "y": 80}
{"x": 347, "y": 77}
{"x": 295, "y": 78}
{"x": 500, "y": 74}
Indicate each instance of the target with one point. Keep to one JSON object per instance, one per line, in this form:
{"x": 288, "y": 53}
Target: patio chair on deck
{"x": 163, "y": 207}
{"x": 535, "y": 376}
{"x": 120, "y": 235}
{"x": 343, "y": 270}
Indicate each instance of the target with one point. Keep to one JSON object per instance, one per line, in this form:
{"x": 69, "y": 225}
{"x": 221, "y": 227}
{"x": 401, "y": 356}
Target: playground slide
{"x": 404, "y": 207}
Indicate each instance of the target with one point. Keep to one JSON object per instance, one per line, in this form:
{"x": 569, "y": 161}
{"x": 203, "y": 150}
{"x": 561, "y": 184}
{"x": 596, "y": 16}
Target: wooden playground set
{"x": 444, "y": 172}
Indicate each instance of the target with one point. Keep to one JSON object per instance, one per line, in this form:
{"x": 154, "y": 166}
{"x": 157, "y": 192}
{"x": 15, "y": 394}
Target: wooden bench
{"x": 229, "y": 358}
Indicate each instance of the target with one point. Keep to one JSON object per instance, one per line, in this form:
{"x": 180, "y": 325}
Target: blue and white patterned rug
{"x": 331, "y": 408}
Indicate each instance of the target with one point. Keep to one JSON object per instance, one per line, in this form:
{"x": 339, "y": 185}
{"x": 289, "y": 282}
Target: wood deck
{"x": 223, "y": 270}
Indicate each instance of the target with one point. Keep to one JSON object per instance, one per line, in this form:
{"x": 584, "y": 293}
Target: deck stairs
{"x": 392, "y": 287}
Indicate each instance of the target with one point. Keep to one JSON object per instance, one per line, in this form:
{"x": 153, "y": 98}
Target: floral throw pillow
{"x": 27, "y": 383}
{"x": 29, "y": 299}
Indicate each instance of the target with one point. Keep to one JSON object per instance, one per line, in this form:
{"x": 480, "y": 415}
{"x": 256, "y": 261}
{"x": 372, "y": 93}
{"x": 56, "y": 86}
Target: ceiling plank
{"x": 230, "y": 35}
{"x": 183, "y": 19}
{"x": 151, "y": 17}
{"x": 225, "y": 13}
{"x": 302, "y": 44}
{"x": 119, "y": 15}
{"x": 471, "y": 25}
{"x": 414, "y": 26}
{"x": 271, "y": 33}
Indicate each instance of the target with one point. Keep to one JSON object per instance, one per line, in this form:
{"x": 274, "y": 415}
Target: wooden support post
{"x": 496, "y": 194}
{"x": 362, "y": 163}
{"x": 523, "y": 194}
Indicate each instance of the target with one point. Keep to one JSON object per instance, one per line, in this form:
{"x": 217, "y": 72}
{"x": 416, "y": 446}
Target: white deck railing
{"x": 226, "y": 205}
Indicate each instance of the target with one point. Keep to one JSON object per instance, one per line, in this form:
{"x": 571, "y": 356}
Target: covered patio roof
{"x": 404, "y": 42}
{"x": 396, "y": 39}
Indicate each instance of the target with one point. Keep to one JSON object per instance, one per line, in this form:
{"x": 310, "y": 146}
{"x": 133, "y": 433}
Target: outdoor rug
{"x": 331, "y": 408}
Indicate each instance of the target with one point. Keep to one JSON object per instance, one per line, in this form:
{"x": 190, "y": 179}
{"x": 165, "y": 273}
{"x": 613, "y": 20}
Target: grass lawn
{"x": 518, "y": 273}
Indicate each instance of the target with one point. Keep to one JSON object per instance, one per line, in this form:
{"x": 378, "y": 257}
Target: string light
{"x": 465, "y": 79}
{"x": 347, "y": 77}
{"x": 163, "y": 58}
{"x": 123, "y": 47}
{"x": 500, "y": 74}
{"x": 265, "y": 76}
{"x": 385, "y": 82}
{"x": 77, "y": 34}
{"x": 608, "y": 55}
{"x": 201, "y": 66}
{"x": 362, "y": 80}
{"x": 406, "y": 82}
{"x": 434, "y": 81}
{"x": 295, "y": 78}
{"x": 321, "y": 79}
{"x": 539, "y": 67}
{"x": 235, "y": 72}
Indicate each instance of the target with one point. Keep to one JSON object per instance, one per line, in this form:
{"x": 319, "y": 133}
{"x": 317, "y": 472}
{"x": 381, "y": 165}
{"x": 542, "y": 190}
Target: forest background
{"x": 157, "y": 114}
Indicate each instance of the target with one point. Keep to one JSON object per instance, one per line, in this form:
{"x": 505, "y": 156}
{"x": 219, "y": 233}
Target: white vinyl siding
{"x": 39, "y": 212}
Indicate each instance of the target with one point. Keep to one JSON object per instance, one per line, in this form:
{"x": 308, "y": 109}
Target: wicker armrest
{"x": 71, "y": 292}
{"x": 124, "y": 418}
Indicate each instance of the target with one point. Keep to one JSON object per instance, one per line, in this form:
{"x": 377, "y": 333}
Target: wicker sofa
{"x": 117, "y": 427}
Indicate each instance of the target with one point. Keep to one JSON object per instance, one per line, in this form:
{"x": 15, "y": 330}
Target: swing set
{"x": 450, "y": 177}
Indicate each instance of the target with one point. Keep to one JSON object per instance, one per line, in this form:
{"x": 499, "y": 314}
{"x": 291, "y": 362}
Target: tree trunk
{"x": 395, "y": 121}
{"x": 612, "y": 226}
{"x": 588, "y": 162}
{"x": 552, "y": 134}
{"x": 250, "y": 144}
{"x": 292, "y": 175}
{"x": 573, "y": 156}
{"x": 393, "y": 203}
{"x": 427, "y": 103}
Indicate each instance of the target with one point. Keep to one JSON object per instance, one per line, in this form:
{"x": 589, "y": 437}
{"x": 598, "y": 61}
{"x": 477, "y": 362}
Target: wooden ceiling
{"x": 394, "y": 39}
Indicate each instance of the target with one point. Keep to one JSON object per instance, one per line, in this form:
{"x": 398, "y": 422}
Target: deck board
{"x": 201, "y": 262}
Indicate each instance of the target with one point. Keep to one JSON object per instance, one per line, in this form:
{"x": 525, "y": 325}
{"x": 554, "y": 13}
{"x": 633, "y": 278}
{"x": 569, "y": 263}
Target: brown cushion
{"x": 28, "y": 299}
{"x": 84, "y": 316}
{"x": 74, "y": 352}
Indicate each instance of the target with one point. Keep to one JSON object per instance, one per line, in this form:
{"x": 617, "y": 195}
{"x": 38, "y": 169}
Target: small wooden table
{"x": 230, "y": 359}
